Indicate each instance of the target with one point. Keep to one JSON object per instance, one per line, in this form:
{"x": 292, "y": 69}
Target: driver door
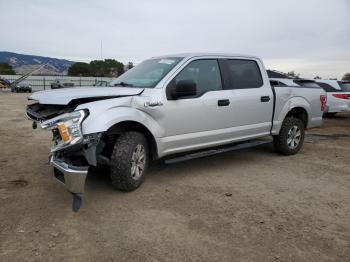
{"x": 199, "y": 121}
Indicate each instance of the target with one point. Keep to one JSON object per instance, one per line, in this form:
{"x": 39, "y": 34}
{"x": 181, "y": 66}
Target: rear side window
{"x": 309, "y": 84}
{"x": 205, "y": 73}
{"x": 328, "y": 88}
{"x": 345, "y": 86}
{"x": 240, "y": 74}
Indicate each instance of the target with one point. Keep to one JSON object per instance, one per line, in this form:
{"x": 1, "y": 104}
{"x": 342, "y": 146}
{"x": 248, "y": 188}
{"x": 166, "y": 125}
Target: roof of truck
{"x": 190, "y": 55}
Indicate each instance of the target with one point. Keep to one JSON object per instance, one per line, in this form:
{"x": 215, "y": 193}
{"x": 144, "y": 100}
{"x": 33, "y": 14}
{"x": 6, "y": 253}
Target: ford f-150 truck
{"x": 167, "y": 106}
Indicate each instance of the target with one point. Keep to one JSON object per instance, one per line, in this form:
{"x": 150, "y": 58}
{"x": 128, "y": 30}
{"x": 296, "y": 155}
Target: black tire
{"x": 121, "y": 168}
{"x": 281, "y": 140}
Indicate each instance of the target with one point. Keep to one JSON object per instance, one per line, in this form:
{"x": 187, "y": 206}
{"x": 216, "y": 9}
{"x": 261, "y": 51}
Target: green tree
{"x": 98, "y": 68}
{"x": 79, "y": 69}
{"x": 292, "y": 74}
{"x": 114, "y": 67}
{"x": 108, "y": 67}
{"x": 6, "y": 69}
{"x": 130, "y": 65}
{"x": 346, "y": 77}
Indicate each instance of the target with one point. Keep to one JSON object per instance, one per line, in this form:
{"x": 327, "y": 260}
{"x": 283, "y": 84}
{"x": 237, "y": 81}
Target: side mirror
{"x": 183, "y": 88}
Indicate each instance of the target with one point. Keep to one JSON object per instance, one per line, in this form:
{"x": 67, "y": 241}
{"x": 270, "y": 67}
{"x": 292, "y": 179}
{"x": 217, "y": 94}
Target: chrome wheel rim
{"x": 293, "y": 137}
{"x": 138, "y": 161}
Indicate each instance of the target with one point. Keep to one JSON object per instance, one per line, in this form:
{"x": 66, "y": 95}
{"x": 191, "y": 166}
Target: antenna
{"x": 101, "y": 51}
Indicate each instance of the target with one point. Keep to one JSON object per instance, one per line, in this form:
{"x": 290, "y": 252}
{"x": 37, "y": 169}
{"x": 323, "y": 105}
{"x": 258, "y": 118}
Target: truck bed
{"x": 308, "y": 97}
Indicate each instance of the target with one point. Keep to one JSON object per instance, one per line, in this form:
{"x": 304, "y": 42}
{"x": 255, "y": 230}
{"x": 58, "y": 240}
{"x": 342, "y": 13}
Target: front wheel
{"x": 291, "y": 137}
{"x": 129, "y": 161}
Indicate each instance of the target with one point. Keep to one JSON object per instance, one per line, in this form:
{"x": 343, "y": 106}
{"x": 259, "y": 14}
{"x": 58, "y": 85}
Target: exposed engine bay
{"x": 42, "y": 112}
{"x": 39, "y": 112}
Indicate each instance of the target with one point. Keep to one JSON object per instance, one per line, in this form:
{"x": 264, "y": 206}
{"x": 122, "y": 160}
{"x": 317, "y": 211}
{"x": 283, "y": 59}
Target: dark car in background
{"x": 102, "y": 83}
{"x": 22, "y": 87}
{"x": 58, "y": 84}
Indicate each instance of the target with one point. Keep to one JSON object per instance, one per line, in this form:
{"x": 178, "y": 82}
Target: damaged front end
{"x": 72, "y": 152}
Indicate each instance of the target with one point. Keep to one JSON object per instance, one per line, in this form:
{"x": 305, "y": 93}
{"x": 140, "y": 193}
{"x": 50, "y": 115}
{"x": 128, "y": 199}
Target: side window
{"x": 241, "y": 74}
{"x": 205, "y": 73}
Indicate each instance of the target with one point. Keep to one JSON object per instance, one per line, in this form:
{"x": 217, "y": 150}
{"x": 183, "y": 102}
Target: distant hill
{"x": 25, "y": 63}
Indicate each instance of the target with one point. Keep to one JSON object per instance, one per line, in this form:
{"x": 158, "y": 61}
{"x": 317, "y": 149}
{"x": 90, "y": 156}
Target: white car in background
{"x": 308, "y": 83}
{"x": 282, "y": 82}
{"x": 338, "y": 92}
{"x": 338, "y": 96}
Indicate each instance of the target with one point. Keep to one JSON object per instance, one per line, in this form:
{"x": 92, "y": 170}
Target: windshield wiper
{"x": 123, "y": 84}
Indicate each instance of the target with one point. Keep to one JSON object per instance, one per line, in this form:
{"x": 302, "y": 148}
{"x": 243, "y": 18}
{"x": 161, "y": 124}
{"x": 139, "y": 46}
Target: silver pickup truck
{"x": 174, "y": 107}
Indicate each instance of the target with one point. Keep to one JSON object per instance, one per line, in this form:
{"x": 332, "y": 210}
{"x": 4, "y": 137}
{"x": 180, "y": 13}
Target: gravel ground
{"x": 248, "y": 205}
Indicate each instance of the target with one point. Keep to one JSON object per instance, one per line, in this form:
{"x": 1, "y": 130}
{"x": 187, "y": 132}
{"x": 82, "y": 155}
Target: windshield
{"x": 148, "y": 73}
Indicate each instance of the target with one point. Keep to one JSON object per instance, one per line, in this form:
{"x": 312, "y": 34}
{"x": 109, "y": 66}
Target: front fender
{"x": 106, "y": 119}
{"x": 284, "y": 107}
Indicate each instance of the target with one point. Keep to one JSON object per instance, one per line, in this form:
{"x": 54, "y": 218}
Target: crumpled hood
{"x": 64, "y": 96}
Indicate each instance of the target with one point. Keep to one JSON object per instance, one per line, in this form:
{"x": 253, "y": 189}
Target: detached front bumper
{"x": 73, "y": 177}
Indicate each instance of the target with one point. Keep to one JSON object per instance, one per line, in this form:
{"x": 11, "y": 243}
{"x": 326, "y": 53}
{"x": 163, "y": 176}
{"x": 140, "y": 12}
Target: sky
{"x": 311, "y": 37}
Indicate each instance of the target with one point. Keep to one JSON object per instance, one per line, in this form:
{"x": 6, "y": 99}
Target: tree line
{"x": 107, "y": 68}
{"x": 112, "y": 68}
{"x": 6, "y": 69}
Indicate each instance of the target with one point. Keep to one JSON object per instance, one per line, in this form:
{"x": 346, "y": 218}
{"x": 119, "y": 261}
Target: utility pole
{"x": 101, "y": 51}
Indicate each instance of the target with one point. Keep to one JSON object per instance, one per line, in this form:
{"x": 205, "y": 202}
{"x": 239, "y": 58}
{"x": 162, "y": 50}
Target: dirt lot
{"x": 249, "y": 205}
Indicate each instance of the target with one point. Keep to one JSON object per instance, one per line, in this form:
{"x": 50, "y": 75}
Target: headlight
{"x": 69, "y": 128}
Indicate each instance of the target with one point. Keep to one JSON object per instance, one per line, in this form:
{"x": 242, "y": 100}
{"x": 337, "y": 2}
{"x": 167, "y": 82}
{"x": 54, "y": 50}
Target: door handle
{"x": 223, "y": 102}
{"x": 265, "y": 99}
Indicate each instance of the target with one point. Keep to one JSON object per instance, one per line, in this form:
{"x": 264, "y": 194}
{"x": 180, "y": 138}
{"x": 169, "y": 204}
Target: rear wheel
{"x": 291, "y": 137}
{"x": 129, "y": 161}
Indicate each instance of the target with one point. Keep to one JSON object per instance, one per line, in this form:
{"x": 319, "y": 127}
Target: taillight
{"x": 342, "y": 96}
{"x": 323, "y": 100}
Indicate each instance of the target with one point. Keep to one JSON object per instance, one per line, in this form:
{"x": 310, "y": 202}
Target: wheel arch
{"x": 130, "y": 125}
{"x": 300, "y": 113}
{"x": 297, "y": 107}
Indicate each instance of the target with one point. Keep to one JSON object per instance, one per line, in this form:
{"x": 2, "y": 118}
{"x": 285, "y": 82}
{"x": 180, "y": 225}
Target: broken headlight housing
{"x": 68, "y": 126}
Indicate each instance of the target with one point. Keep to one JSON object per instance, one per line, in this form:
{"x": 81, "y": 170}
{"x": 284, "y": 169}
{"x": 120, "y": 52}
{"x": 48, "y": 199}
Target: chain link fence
{"x": 39, "y": 83}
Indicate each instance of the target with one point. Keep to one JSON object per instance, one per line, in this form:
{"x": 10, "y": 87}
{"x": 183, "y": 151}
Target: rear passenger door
{"x": 251, "y": 96}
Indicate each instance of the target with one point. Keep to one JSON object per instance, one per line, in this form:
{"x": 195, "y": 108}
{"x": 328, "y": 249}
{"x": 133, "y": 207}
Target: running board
{"x": 211, "y": 152}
